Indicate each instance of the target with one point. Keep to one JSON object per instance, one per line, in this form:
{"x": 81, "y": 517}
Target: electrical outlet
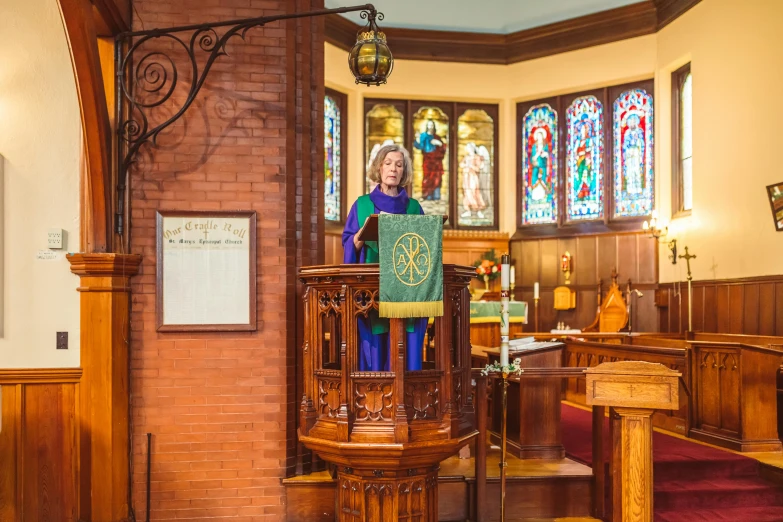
{"x": 55, "y": 238}
{"x": 62, "y": 340}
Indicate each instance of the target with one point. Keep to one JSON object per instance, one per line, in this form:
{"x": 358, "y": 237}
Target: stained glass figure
{"x": 633, "y": 153}
{"x": 332, "y": 174}
{"x": 476, "y": 158}
{"x": 539, "y": 165}
{"x": 584, "y": 159}
{"x": 686, "y": 142}
{"x": 430, "y": 160}
{"x": 384, "y": 125}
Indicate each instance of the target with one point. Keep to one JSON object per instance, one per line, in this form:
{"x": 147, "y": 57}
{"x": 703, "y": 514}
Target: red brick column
{"x": 222, "y": 407}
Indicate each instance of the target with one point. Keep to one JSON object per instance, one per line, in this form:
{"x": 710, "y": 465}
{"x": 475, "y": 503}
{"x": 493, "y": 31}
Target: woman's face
{"x": 391, "y": 169}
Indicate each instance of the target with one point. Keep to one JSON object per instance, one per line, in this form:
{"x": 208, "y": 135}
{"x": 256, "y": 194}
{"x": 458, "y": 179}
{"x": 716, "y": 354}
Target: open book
{"x": 369, "y": 232}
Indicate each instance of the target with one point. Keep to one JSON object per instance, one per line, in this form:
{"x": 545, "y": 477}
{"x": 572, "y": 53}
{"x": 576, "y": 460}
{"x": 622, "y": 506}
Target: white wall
{"x": 735, "y": 50}
{"x": 40, "y": 144}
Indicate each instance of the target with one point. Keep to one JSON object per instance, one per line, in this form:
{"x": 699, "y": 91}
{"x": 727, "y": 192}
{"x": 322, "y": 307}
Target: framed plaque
{"x": 775, "y": 194}
{"x": 206, "y": 271}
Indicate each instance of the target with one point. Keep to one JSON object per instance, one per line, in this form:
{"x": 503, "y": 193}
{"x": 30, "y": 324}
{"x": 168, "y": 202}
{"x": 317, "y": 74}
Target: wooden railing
{"x": 633, "y": 391}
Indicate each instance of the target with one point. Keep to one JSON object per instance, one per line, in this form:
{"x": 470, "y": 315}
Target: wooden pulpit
{"x": 386, "y": 432}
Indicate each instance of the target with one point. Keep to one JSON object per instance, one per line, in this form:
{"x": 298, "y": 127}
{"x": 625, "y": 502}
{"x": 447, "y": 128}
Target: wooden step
{"x": 537, "y": 491}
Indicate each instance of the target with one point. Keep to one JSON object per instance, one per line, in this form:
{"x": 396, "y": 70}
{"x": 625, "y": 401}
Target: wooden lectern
{"x": 386, "y": 432}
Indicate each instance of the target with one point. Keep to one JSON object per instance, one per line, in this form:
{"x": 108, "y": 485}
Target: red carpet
{"x": 693, "y": 482}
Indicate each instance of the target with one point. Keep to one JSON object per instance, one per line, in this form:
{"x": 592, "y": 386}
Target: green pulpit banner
{"x": 411, "y": 265}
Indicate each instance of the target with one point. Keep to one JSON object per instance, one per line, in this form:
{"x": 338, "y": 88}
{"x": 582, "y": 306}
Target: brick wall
{"x": 222, "y": 407}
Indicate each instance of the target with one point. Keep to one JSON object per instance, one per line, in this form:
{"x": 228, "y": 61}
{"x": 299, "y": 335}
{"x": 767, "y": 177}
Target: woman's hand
{"x": 356, "y": 243}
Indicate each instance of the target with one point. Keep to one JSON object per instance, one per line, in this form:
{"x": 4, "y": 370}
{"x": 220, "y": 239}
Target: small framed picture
{"x": 775, "y": 194}
{"x": 206, "y": 271}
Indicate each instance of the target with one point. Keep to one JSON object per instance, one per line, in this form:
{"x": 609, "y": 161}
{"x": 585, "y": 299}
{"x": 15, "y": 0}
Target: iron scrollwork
{"x": 148, "y": 79}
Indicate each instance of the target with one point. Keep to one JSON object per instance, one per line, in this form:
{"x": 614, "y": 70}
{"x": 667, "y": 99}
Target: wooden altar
{"x": 386, "y": 432}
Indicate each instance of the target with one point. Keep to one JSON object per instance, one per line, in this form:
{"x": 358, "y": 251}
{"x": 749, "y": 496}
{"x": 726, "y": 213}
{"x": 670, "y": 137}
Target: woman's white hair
{"x": 407, "y": 165}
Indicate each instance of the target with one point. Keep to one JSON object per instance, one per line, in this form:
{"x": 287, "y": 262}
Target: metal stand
{"x": 503, "y": 463}
{"x": 687, "y": 257}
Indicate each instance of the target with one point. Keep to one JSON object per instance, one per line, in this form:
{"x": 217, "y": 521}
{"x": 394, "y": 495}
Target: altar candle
{"x": 535, "y": 291}
{"x": 504, "y": 294}
{"x": 511, "y": 277}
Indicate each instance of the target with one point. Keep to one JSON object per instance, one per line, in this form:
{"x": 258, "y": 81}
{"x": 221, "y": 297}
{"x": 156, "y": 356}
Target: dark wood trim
{"x": 251, "y": 325}
{"x": 112, "y": 17}
{"x": 669, "y": 10}
{"x": 604, "y": 27}
{"x": 678, "y": 79}
{"x": 96, "y": 208}
{"x": 40, "y": 375}
{"x": 600, "y": 28}
{"x": 341, "y": 99}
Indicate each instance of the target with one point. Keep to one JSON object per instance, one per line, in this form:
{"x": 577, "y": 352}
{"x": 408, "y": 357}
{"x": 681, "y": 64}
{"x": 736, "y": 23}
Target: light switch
{"x": 55, "y": 238}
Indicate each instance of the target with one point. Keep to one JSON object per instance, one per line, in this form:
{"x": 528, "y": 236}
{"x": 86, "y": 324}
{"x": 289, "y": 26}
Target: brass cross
{"x": 687, "y": 257}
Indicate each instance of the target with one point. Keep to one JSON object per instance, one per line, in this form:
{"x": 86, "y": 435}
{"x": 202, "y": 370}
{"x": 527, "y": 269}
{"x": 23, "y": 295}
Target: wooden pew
{"x": 735, "y": 395}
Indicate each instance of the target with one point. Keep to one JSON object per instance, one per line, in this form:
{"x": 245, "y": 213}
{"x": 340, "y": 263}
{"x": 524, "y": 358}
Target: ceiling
{"x": 482, "y": 16}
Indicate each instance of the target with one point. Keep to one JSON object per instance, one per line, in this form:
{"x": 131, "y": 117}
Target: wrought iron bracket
{"x": 155, "y": 73}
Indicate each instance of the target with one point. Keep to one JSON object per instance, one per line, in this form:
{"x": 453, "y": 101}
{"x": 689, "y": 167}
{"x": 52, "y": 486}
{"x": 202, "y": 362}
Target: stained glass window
{"x": 431, "y": 160}
{"x": 686, "y": 142}
{"x": 475, "y": 158}
{"x": 584, "y": 159}
{"x": 539, "y": 165}
{"x": 332, "y": 173}
{"x": 384, "y": 125}
{"x": 633, "y": 153}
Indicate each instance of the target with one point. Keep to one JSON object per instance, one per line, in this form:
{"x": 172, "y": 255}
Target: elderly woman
{"x": 392, "y": 170}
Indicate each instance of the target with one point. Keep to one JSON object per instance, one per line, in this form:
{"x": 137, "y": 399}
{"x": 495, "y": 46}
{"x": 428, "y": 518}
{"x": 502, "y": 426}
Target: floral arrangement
{"x": 488, "y": 268}
{"x": 514, "y": 367}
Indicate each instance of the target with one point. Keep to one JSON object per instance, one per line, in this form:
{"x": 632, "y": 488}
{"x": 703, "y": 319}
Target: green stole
{"x": 364, "y": 209}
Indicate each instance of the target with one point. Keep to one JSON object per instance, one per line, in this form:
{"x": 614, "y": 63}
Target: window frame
{"x": 453, "y": 110}
{"x": 678, "y": 184}
{"x": 564, "y": 227}
{"x": 341, "y": 99}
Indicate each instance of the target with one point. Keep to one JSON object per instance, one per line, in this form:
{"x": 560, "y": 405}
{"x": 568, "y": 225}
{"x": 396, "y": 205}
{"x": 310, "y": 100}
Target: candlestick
{"x": 504, "y": 293}
{"x": 535, "y": 291}
{"x": 536, "y": 318}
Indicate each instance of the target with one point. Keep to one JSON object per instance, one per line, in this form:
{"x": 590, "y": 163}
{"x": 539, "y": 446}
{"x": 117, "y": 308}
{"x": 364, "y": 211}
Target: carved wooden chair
{"x": 612, "y": 314}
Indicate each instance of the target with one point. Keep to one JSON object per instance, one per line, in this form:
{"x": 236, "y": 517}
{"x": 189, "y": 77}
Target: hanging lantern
{"x": 370, "y": 60}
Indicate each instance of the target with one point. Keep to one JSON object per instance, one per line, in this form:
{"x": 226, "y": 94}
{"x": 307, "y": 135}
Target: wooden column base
{"x": 387, "y": 496}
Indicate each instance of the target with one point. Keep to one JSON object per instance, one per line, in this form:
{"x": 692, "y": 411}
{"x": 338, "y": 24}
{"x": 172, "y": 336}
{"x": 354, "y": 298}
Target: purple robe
{"x": 374, "y": 348}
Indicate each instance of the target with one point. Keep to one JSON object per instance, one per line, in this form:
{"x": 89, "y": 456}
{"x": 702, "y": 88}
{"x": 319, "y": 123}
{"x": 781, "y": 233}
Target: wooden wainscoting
{"x": 634, "y": 255}
{"x": 333, "y": 246}
{"x": 39, "y": 473}
{"x": 749, "y": 306}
